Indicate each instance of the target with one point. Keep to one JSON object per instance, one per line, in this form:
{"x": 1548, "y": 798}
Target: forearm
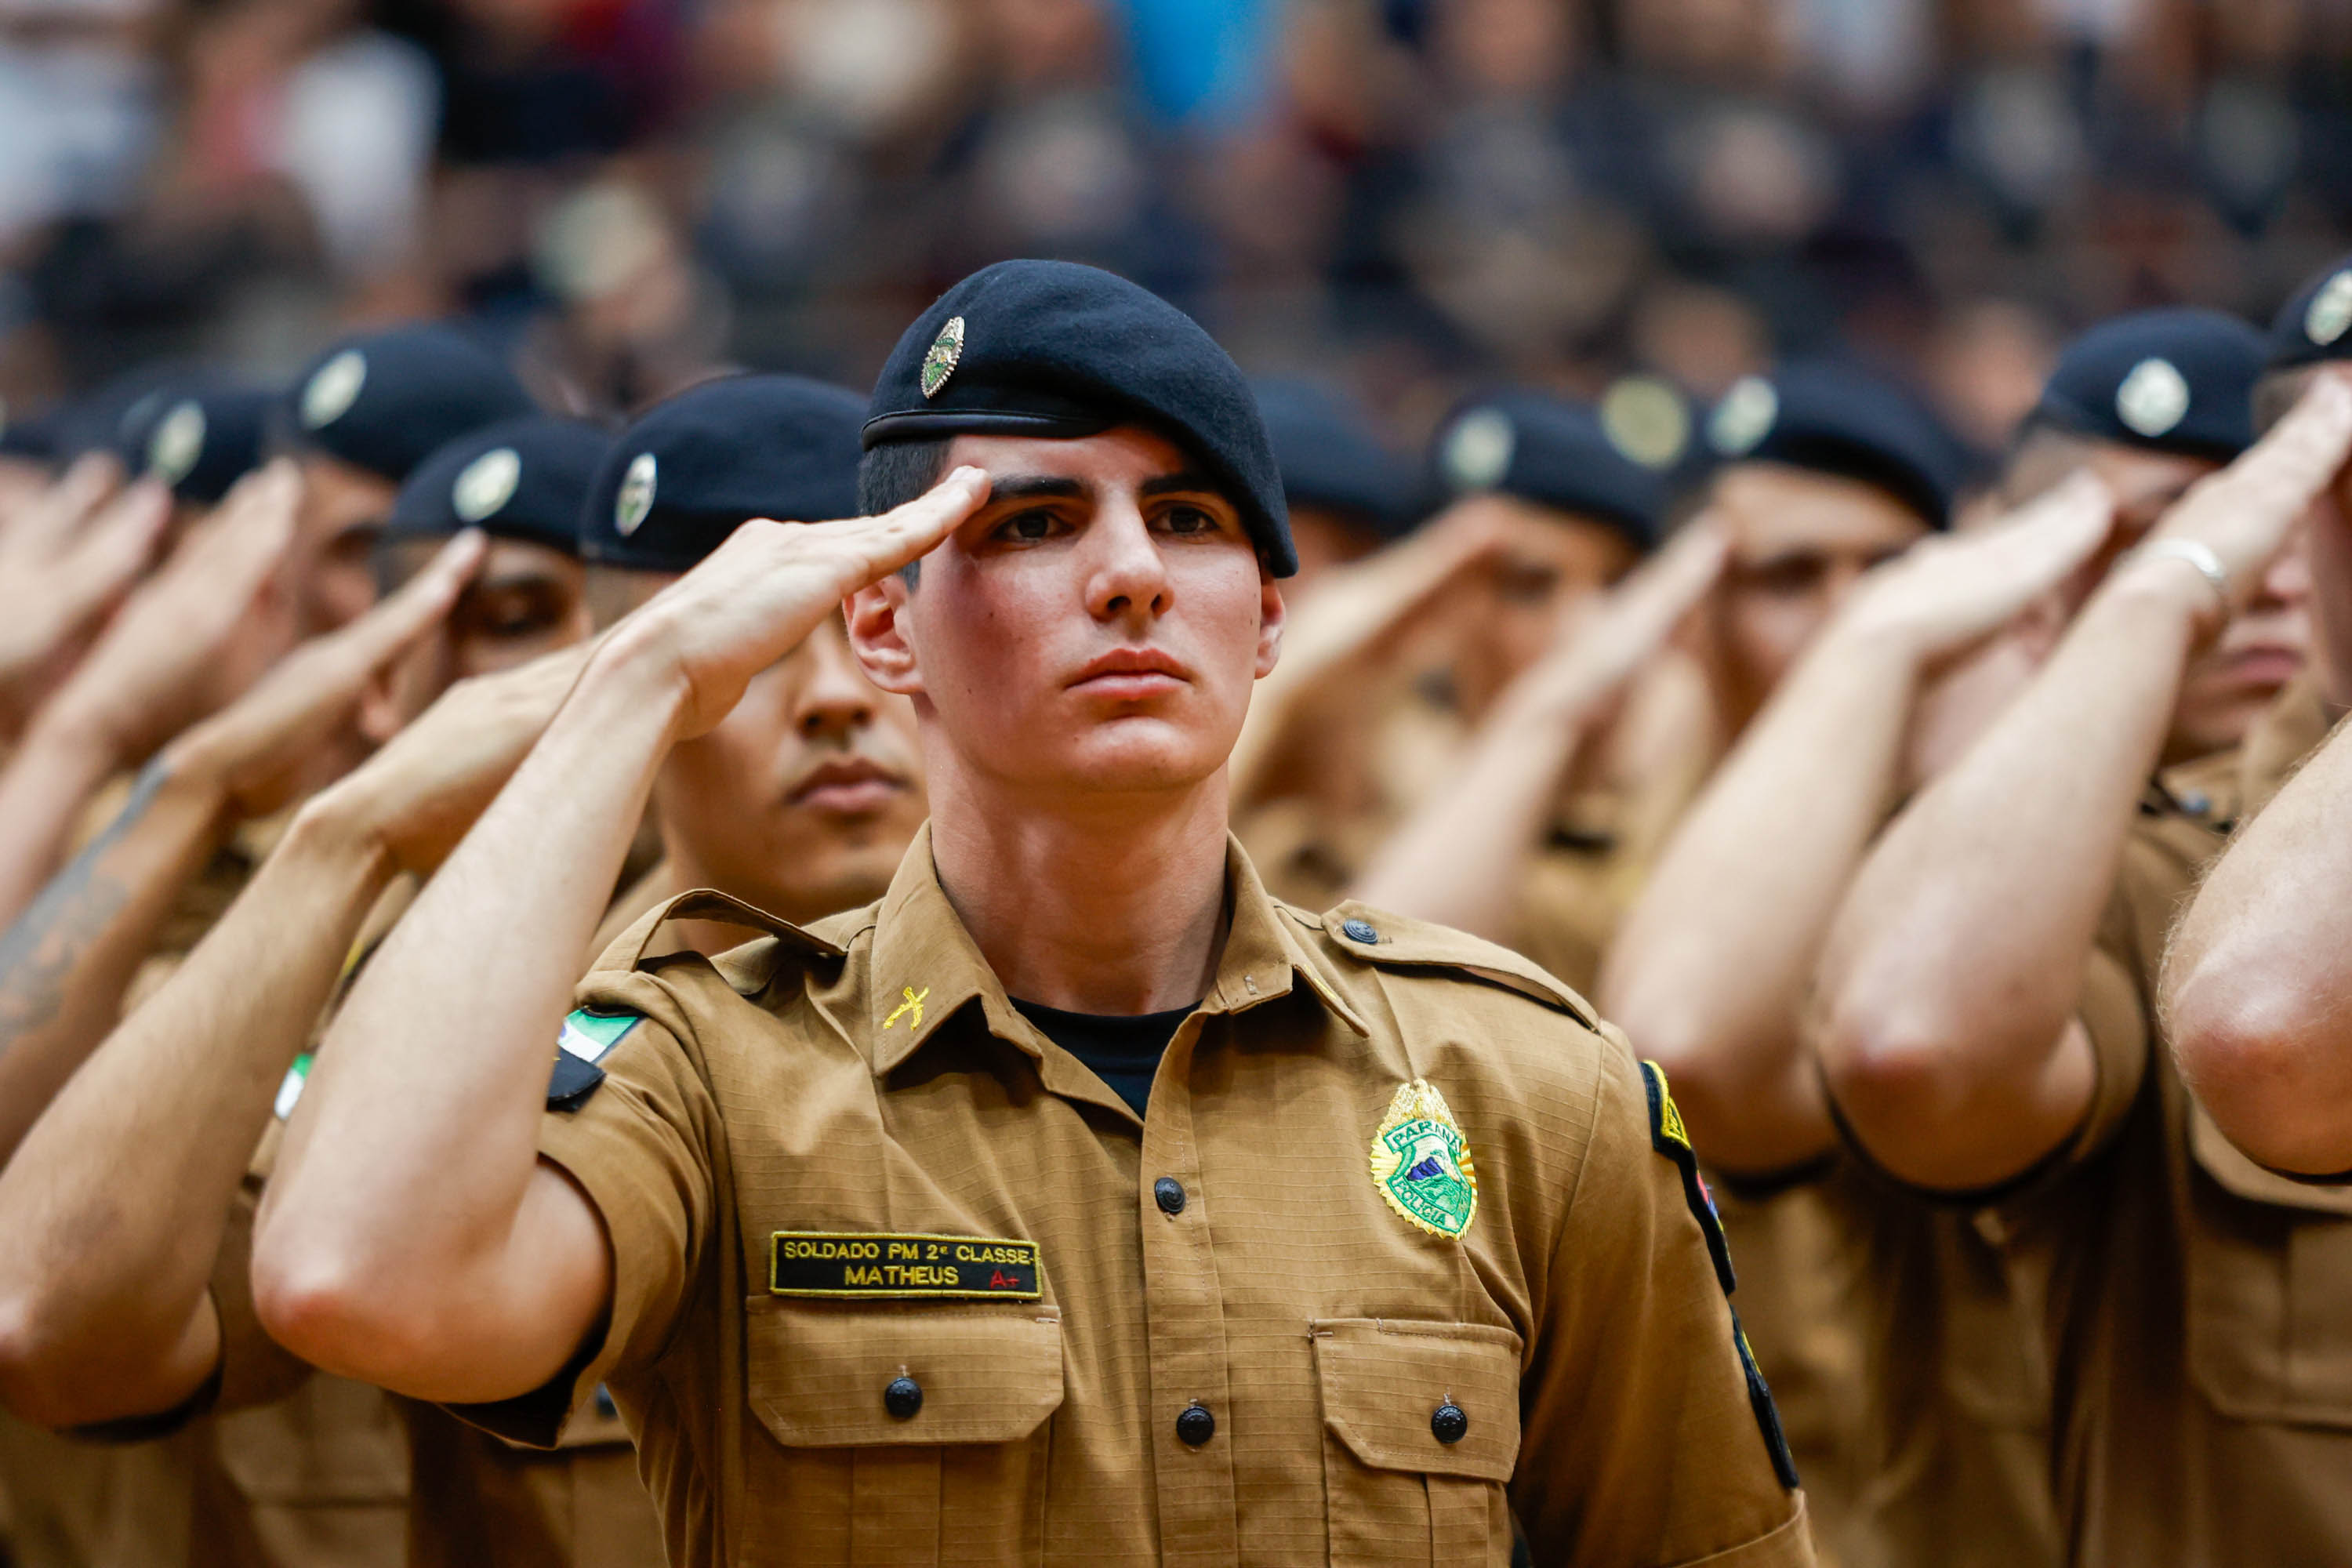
{"x": 116, "y": 1200}
{"x": 1709, "y": 974}
{"x": 1459, "y": 857}
{"x": 44, "y": 789}
{"x": 414, "y": 1152}
{"x": 65, "y": 962}
{"x": 1956, "y": 963}
{"x": 2258, "y": 983}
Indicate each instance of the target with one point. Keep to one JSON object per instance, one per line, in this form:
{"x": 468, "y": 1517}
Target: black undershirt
{"x": 1124, "y": 1051}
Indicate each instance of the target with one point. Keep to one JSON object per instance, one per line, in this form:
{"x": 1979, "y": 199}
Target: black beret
{"x": 1329, "y": 456}
{"x": 1553, "y": 453}
{"x": 2316, "y": 324}
{"x": 525, "y": 478}
{"x": 29, "y": 437}
{"x": 2175, "y": 380}
{"x": 199, "y": 438}
{"x": 386, "y": 401}
{"x": 694, "y": 467}
{"x": 1835, "y": 419}
{"x": 94, "y": 421}
{"x": 1055, "y": 349}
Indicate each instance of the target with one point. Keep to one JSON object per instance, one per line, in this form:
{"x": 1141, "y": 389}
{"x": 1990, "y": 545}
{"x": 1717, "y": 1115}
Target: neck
{"x": 1107, "y": 904}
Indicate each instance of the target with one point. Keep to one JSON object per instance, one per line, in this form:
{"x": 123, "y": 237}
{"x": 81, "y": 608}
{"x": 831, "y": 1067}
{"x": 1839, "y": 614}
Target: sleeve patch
{"x": 1670, "y": 1138}
{"x": 1767, "y": 1414}
{"x": 586, "y": 1039}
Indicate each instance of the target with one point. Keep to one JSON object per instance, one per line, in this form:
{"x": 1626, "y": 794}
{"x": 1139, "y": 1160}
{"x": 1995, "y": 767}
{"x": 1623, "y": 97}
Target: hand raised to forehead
{"x": 419, "y": 795}
{"x": 1946, "y": 594}
{"x": 2245, "y": 513}
{"x": 759, "y": 595}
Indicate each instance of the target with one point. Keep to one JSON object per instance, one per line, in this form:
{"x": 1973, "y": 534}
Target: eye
{"x": 1189, "y": 519}
{"x": 1027, "y": 526}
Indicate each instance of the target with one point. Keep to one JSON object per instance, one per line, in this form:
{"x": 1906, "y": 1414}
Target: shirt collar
{"x": 927, "y": 968}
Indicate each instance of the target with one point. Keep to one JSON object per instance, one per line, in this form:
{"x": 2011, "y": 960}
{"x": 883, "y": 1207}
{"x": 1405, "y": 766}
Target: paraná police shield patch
{"x": 1420, "y": 1162}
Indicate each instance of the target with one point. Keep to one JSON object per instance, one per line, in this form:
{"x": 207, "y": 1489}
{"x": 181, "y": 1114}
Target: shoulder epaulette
{"x": 1394, "y": 941}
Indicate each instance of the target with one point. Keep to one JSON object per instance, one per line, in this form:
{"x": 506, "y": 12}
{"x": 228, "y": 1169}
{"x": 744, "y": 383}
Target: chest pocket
{"x": 2270, "y": 1268}
{"x": 859, "y": 1477}
{"x": 1396, "y": 1491}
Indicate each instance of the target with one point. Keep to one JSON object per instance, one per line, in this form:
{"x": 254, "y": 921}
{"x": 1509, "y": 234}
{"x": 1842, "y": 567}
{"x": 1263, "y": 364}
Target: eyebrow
{"x": 1184, "y": 480}
{"x": 1035, "y": 487}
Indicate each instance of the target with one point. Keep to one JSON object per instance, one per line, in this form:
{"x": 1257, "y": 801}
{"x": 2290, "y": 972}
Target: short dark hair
{"x": 896, "y": 472}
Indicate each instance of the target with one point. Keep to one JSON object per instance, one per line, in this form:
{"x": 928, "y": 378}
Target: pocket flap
{"x": 817, "y": 1370}
{"x": 2226, "y": 1163}
{"x": 1384, "y": 1379}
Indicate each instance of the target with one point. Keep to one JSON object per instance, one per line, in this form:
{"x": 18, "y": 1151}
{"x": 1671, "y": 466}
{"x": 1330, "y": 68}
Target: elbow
{"x": 2265, "y": 1056}
{"x": 1898, "y": 1069}
{"x": 50, "y": 1375}
{"x": 336, "y": 1308}
{"x": 30, "y": 1385}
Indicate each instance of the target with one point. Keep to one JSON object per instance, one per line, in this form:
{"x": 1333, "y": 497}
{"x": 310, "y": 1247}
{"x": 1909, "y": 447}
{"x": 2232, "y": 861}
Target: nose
{"x": 835, "y": 700}
{"x": 1127, "y": 577}
{"x": 2286, "y": 581}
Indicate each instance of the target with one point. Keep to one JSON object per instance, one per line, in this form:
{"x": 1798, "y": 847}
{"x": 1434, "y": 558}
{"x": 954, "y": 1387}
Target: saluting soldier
{"x": 1863, "y": 1290}
{"x": 130, "y": 1195}
{"x": 803, "y": 801}
{"x": 1991, "y": 1036}
{"x": 1077, "y": 1201}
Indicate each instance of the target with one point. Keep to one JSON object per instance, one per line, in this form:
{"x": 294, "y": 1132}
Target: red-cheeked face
{"x": 1095, "y": 628}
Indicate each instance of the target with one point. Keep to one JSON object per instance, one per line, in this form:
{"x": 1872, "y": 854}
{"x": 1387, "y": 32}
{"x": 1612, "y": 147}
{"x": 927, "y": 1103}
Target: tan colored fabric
{"x": 2180, "y": 1314}
{"x": 456, "y": 1497}
{"x": 793, "y": 1087}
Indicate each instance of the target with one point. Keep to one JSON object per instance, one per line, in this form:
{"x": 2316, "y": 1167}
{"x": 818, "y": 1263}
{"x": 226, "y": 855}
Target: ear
{"x": 877, "y": 616}
{"x": 1271, "y": 616}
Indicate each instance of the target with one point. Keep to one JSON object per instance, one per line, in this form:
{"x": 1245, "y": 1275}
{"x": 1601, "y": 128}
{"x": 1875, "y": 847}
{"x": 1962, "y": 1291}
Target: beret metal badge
{"x": 1420, "y": 1162}
{"x": 485, "y": 484}
{"x": 940, "y": 359}
{"x": 2330, "y": 310}
{"x": 178, "y": 442}
{"x": 1646, "y": 420}
{"x": 1479, "y": 450}
{"x": 2153, "y": 398}
{"x": 1744, "y": 417}
{"x": 634, "y": 502}
{"x": 333, "y": 388}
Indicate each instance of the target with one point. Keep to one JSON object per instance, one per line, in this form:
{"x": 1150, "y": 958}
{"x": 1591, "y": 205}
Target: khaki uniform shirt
{"x": 2180, "y": 1314}
{"x": 838, "y": 1164}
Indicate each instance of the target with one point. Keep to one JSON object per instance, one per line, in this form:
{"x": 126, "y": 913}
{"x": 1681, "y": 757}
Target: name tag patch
{"x": 882, "y": 1265}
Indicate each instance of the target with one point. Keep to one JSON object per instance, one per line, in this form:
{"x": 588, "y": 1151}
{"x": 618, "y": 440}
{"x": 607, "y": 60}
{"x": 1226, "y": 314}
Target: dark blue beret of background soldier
{"x": 1331, "y": 457}
{"x": 198, "y": 437}
{"x": 525, "y": 478}
{"x": 386, "y": 401}
{"x": 2176, "y": 380}
{"x": 1837, "y": 419}
{"x": 695, "y": 466}
{"x": 2315, "y": 325}
{"x": 1552, "y": 453}
{"x": 1058, "y": 350}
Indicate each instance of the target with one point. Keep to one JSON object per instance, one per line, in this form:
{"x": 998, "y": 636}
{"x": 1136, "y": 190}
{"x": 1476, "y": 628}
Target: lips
{"x": 1130, "y": 675}
{"x": 2264, "y": 666}
{"x": 846, "y": 786}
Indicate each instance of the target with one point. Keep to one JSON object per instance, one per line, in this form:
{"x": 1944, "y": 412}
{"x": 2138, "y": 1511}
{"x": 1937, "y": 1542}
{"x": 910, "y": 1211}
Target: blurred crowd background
{"x": 1409, "y": 196}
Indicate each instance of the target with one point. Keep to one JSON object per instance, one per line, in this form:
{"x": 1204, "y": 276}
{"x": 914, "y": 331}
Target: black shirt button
{"x": 1448, "y": 1423}
{"x": 1196, "y": 1426}
{"x": 1360, "y": 931}
{"x": 903, "y": 1397}
{"x": 1169, "y": 1194}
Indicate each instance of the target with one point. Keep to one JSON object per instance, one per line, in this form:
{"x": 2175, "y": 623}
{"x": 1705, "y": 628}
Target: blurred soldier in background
{"x": 1842, "y": 1280}
{"x": 194, "y": 680}
{"x": 801, "y": 804}
{"x": 1990, "y": 1035}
